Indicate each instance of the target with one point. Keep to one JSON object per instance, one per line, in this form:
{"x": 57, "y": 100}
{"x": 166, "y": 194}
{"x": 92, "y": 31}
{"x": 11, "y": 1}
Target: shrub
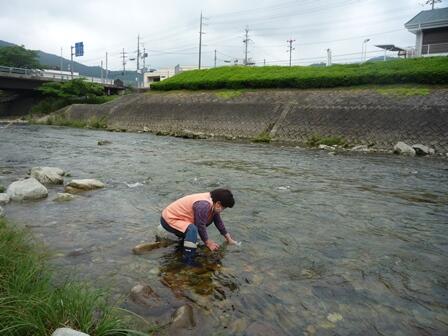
{"x": 433, "y": 70}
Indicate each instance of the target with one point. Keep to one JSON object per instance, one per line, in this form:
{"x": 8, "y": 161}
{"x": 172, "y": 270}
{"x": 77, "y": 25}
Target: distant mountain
{"x": 54, "y": 62}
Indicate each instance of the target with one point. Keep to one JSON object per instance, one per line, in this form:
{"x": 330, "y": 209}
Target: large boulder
{"x": 67, "y": 332}
{"x": 48, "y": 175}
{"x": 422, "y": 150}
{"x": 4, "y": 198}
{"x": 76, "y": 186}
{"x": 404, "y": 149}
{"x": 29, "y": 189}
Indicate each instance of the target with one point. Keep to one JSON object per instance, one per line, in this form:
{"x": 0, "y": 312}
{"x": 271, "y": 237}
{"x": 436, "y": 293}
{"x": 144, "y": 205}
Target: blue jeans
{"x": 190, "y": 236}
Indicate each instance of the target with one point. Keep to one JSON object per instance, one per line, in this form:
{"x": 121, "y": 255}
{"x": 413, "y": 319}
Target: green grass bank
{"x": 431, "y": 71}
{"x": 31, "y": 304}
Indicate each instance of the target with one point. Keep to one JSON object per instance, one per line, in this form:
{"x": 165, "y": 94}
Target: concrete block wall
{"x": 362, "y": 116}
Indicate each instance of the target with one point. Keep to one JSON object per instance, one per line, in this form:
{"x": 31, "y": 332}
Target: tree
{"x": 74, "y": 89}
{"x": 19, "y": 57}
{"x": 432, "y": 2}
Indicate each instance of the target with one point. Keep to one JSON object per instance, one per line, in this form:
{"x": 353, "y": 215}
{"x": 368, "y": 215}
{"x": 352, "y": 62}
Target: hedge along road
{"x": 345, "y": 244}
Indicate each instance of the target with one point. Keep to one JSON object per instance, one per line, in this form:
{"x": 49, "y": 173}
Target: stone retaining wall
{"x": 361, "y": 116}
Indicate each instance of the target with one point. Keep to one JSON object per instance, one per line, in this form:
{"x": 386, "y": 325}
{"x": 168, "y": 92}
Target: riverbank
{"x": 30, "y": 304}
{"x": 375, "y": 116}
{"x": 433, "y": 70}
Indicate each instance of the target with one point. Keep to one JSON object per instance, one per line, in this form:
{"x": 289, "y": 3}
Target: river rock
{"x": 48, "y": 175}
{"x": 326, "y": 147}
{"x": 29, "y": 189}
{"x": 104, "y": 142}
{"x": 404, "y": 149}
{"x": 2, "y": 212}
{"x": 67, "y": 332}
{"x": 64, "y": 197}
{"x": 183, "y": 318}
{"x": 422, "y": 150}
{"x": 4, "y": 198}
{"x": 144, "y": 294}
{"x": 75, "y": 186}
{"x": 360, "y": 148}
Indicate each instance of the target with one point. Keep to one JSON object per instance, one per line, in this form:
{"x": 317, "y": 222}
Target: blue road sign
{"x": 79, "y": 49}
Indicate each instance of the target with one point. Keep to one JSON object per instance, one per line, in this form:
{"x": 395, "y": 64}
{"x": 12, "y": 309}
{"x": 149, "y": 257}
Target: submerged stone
{"x": 104, "y": 142}
{"x": 334, "y": 317}
{"x": 143, "y": 294}
{"x": 183, "y": 318}
{"x": 262, "y": 329}
{"x": 64, "y": 197}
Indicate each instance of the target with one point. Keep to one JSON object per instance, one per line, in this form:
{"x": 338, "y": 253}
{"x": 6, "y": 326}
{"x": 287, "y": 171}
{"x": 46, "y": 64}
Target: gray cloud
{"x": 169, "y": 29}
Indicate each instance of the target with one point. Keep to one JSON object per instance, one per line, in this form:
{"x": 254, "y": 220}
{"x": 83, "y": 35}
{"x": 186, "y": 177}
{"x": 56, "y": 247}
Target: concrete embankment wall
{"x": 361, "y": 116}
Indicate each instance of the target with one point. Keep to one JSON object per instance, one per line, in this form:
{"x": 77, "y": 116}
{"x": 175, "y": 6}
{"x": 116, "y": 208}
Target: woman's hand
{"x": 212, "y": 245}
{"x": 230, "y": 240}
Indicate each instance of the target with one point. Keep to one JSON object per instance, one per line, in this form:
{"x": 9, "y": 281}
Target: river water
{"x": 347, "y": 244}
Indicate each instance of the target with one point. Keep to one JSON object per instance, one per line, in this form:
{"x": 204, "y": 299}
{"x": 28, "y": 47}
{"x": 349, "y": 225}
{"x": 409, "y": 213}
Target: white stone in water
{"x": 422, "y": 150}
{"x": 85, "y": 184}
{"x": 403, "y": 148}
{"x": 4, "y": 198}
{"x": 326, "y": 147}
{"x": 48, "y": 175}
{"x": 67, "y": 332}
{"x": 334, "y": 317}
{"x": 64, "y": 197}
{"x": 29, "y": 189}
{"x": 361, "y": 148}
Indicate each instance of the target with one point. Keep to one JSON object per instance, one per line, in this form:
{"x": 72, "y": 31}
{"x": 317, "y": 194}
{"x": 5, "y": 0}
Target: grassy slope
{"x": 31, "y": 305}
{"x": 418, "y": 70}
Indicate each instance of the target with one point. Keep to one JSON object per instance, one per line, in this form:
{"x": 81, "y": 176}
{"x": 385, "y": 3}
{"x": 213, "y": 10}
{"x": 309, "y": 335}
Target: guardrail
{"x": 435, "y": 48}
{"x": 42, "y": 74}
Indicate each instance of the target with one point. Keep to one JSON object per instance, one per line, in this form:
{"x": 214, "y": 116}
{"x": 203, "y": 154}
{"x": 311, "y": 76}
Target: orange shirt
{"x": 180, "y": 214}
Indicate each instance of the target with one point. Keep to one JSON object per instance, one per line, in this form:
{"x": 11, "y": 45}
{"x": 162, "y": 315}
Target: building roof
{"x": 434, "y": 18}
{"x": 389, "y": 47}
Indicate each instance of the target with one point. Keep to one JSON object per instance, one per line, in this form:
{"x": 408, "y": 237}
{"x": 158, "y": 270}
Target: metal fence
{"x": 435, "y": 48}
{"x": 51, "y": 74}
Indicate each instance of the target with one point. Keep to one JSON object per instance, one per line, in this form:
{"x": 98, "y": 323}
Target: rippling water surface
{"x": 348, "y": 244}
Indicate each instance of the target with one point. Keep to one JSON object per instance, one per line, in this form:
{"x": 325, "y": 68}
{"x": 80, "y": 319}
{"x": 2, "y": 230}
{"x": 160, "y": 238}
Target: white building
{"x": 164, "y": 73}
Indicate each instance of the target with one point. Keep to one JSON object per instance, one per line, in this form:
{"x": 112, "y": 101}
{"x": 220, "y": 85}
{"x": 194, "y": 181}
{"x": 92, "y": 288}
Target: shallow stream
{"x": 348, "y": 244}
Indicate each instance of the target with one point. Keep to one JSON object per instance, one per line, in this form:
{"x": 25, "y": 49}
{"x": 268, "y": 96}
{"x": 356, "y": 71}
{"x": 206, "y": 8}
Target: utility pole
{"x": 328, "y": 57}
{"x": 102, "y": 74}
{"x": 246, "y": 42}
{"x": 200, "y": 40}
{"x": 264, "y": 62}
{"x": 61, "y": 66}
{"x": 215, "y": 58}
{"x": 123, "y": 56}
{"x": 107, "y": 69}
{"x": 71, "y": 62}
{"x": 290, "y": 49}
{"x": 432, "y": 2}
{"x": 138, "y": 61}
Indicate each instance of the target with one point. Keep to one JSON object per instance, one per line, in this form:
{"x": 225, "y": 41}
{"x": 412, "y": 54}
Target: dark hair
{"x": 224, "y": 196}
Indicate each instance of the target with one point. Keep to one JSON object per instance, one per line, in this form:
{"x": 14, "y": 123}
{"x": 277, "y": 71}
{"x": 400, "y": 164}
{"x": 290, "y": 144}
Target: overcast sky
{"x": 169, "y": 29}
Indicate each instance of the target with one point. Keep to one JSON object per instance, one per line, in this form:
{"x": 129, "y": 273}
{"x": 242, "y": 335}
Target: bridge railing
{"x": 43, "y": 74}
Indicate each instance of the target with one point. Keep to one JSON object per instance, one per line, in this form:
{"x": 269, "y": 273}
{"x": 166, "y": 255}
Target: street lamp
{"x": 364, "y": 50}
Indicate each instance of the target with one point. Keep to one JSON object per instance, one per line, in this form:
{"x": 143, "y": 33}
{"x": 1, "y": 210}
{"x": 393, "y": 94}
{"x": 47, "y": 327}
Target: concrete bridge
{"x": 19, "y": 79}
